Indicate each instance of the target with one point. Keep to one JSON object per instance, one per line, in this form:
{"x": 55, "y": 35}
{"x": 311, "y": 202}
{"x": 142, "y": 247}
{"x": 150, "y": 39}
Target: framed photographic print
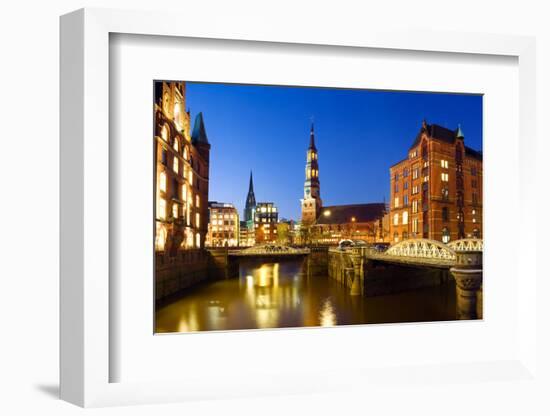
{"x": 283, "y": 213}
{"x": 227, "y": 260}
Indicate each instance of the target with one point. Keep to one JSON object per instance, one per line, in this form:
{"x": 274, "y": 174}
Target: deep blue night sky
{"x": 359, "y": 134}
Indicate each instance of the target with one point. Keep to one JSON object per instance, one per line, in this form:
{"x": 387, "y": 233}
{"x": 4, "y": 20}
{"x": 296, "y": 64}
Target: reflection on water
{"x": 281, "y": 295}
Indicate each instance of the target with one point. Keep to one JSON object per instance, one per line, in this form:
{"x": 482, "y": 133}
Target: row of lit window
{"x": 444, "y": 164}
{"x": 227, "y": 216}
{"x": 162, "y": 212}
{"x": 444, "y": 216}
{"x": 312, "y": 173}
{"x": 220, "y": 222}
{"x": 220, "y": 229}
{"x": 185, "y": 195}
{"x": 164, "y": 135}
{"x": 265, "y": 209}
{"x": 311, "y": 155}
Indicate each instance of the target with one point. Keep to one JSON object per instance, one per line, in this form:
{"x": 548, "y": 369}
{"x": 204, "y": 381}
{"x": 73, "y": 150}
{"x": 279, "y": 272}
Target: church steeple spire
{"x": 311, "y": 203}
{"x": 250, "y": 205}
{"x": 312, "y": 138}
{"x": 251, "y": 185}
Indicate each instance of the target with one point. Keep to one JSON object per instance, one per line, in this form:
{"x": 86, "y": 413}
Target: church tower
{"x": 311, "y": 203}
{"x": 250, "y": 205}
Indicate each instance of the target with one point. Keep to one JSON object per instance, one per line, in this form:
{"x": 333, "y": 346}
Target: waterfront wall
{"x": 185, "y": 269}
{"x": 190, "y": 267}
{"x": 317, "y": 261}
{"x": 380, "y": 278}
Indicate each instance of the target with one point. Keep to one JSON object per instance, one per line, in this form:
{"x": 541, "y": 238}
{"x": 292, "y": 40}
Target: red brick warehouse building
{"x": 436, "y": 192}
{"x": 182, "y": 172}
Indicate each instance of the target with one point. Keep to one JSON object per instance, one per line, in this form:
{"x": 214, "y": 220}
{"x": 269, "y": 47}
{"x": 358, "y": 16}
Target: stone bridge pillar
{"x": 468, "y": 274}
{"x": 359, "y": 274}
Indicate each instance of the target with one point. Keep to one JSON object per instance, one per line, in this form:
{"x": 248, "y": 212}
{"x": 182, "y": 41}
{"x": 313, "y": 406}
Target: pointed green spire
{"x": 199, "y": 132}
{"x": 250, "y": 184}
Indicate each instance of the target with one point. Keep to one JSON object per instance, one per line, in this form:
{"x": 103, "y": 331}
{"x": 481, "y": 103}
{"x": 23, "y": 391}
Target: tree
{"x": 283, "y": 233}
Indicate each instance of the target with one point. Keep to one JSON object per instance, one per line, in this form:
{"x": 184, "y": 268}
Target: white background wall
{"x": 29, "y": 205}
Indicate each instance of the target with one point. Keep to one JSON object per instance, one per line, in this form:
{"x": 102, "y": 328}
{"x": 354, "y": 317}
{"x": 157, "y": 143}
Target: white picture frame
{"x": 85, "y": 258}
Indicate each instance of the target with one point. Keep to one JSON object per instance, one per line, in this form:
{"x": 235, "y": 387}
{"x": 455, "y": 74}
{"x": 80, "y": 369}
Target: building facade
{"x": 311, "y": 202}
{"x": 181, "y": 172}
{"x": 437, "y": 191}
{"x": 366, "y": 222}
{"x": 265, "y": 222}
{"x": 247, "y": 236}
{"x": 223, "y": 225}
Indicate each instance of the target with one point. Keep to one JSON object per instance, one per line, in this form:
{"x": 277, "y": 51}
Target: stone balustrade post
{"x": 468, "y": 275}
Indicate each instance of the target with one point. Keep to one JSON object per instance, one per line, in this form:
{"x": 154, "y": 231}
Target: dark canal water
{"x": 282, "y": 295}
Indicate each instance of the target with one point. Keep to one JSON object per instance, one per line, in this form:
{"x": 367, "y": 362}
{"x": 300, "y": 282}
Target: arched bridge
{"x": 268, "y": 250}
{"x": 423, "y": 252}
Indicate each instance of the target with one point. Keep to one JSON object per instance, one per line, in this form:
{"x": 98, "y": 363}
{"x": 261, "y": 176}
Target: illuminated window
{"x": 415, "y": 206}
{"x": 177, "y": 114}
{"x": 175, "y": 165}
{"x": 175, "y": 210}
{"x": 162, "y": 209}
{"x": 396, "y": 219}
{"x": 415, "y": 225}
{"x": 190, "y": 177}
{"x": 197, "y": 201}
{"x": 186, "y": 153}
{"x": 415, "y": 173}
{"x": 415, "y": 189}
{"x": 396, "y": 202}
{"x": 197, "y": 220}
{"x": 444, "y": 164}
{"x": 160, "y": 238}
{"x": 164, "y": 132}
{"x": 263, "y": 209}
{"x": 162, "y": 182}
{"x": 445, "y": 177}
{"x": 184, "y": 192}
{"x": 405, "y": 218}
{"x": 176, "y": 145}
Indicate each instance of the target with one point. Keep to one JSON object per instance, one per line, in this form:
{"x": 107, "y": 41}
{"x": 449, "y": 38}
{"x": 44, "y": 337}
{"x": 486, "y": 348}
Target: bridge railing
{"x": 270, "y": 250}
